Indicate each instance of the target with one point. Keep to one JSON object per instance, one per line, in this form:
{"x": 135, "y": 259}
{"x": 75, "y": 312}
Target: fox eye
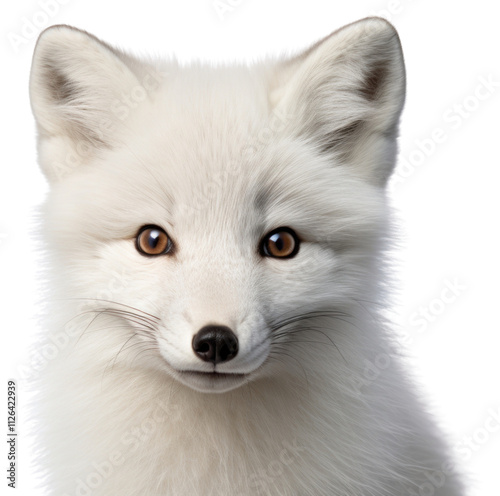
{"x": 280, "y": 243}
{"x": 152, "y": 240}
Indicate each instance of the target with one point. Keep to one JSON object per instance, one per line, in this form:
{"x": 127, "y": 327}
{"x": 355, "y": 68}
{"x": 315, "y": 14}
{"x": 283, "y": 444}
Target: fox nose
{"x": 216, "y": 344}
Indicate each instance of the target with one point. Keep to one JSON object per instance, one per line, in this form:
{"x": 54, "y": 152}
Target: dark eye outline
{"x": 167, "y": 250}
{"x": 264, "y": 251}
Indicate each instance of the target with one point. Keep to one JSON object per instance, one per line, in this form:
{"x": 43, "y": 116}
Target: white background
{"x": 445, "y": 189}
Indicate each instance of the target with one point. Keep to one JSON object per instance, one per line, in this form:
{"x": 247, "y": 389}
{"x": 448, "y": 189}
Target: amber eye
{"x": 280, "y": 243}
{"x": 153, "y": 240}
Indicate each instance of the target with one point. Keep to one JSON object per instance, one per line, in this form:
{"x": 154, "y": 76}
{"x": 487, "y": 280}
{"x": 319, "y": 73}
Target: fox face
{"x": 210, "y": 211}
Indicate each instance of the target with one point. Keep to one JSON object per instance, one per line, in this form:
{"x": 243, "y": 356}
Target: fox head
{"x": 200, "y": 217}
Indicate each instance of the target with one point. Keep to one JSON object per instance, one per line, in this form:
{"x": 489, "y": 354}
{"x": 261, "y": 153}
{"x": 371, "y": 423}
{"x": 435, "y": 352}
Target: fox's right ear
{"x": 74, "y": 79}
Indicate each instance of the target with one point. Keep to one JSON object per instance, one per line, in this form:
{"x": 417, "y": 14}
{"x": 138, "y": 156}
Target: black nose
{"x": 216, "y": 344}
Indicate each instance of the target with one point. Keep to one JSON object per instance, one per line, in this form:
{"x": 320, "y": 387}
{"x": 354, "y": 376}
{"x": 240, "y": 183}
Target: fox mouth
{"x": 213, "y": 374}
{"x": 211, "y": 382}
{"x": 215, "y": 380}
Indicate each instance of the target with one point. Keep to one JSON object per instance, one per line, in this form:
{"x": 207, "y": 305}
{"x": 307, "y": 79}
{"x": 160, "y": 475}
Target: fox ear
{"x": 74, "y": 80}
{"x": 346, "y": 93}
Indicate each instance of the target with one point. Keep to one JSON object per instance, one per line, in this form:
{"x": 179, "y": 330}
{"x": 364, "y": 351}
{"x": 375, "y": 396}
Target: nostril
{"x": 203, "y": 347}
{"x": 216, "y": 344}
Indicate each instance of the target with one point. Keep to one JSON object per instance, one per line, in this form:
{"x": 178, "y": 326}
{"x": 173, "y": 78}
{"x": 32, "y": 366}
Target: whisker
{"x": 117, "y": 303}
{"x": 285, "y": 353}
{"x": 280, "y": 327}
{"x": 138, "y": 319}
{"x": 121, "y": 349}
{"x": 144, "y": 350}
{"x": 316, "y": 313}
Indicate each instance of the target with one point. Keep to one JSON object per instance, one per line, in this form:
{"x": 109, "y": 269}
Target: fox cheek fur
{"x": 215, "y": 242}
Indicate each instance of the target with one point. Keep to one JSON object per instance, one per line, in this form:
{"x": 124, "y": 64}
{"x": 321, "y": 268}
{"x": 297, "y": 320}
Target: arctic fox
{"x": 216, "y": 246}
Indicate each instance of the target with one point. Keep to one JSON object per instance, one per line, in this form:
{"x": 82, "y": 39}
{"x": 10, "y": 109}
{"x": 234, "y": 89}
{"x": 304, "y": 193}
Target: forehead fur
{"x": 206, "y": 149}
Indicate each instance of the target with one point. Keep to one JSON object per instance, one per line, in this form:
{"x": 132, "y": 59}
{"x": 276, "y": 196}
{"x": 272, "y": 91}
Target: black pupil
{"x": 154, "y": 237}
{"x": 278, "y": 241}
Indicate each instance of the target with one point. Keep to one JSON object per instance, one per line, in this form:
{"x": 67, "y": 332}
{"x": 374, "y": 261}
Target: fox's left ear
{"x": 345, "y": 95}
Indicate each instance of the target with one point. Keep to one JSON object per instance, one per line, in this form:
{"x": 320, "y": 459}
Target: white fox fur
{"x": 218, "y": 157}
